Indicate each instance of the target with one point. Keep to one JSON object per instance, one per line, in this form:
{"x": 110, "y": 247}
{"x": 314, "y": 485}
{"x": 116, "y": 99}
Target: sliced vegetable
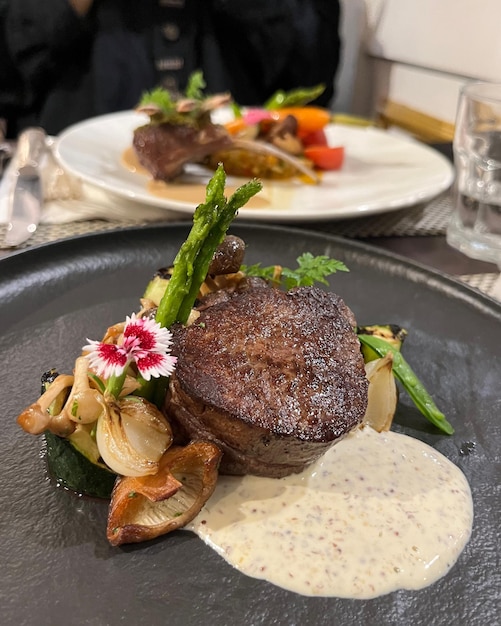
{"x": 318, "y": 138}
{"x": 71, "y": 469}
{"x": 392, "y": 333}
{"x": 325, "y": 157}
{"x": 414, "y": 387}
{"x": 310, "y": 119}
{"x": 236, "y": 126}
{"x": 155, "y": 289}
{"x": 254, "y": 116}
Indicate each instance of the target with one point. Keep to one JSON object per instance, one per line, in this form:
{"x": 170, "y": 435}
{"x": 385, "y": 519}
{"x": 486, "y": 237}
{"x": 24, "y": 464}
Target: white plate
{"x": 382, "y": 172}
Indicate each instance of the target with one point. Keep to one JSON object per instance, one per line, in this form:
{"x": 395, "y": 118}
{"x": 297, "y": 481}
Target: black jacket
{"x": 68, "y": 68}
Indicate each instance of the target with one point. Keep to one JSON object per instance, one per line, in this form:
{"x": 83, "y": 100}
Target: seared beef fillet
{"x": 164, "y": 149}
{"x": 272, "y": 377}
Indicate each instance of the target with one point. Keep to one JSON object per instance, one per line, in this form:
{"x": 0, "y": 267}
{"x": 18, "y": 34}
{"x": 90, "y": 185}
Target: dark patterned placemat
{"x": 426, "y": 219}
{"x": 486, "y": 283}
{"x": 422, "y": 220}
{"x": 47, "y": 233}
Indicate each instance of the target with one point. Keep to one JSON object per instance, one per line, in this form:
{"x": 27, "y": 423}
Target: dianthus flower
{"x": 144, "y": 342}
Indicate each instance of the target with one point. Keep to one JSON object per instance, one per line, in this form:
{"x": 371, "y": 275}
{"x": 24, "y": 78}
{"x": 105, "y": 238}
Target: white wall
{"x": 419, "y": 53}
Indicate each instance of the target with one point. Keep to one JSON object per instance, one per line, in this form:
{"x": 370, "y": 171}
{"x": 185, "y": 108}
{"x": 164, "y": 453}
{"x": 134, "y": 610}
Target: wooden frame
{"x": 421, "y": 125}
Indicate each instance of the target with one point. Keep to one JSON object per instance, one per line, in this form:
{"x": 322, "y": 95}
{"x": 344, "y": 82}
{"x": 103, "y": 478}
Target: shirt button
{"x": 170, "y": 83}
{"x": 169, "y": 64}
{"x": 170, "y": 31}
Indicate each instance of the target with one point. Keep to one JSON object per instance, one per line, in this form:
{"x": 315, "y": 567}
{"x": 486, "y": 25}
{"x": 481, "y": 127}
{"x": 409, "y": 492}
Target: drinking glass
{"x": 475, "y": 226}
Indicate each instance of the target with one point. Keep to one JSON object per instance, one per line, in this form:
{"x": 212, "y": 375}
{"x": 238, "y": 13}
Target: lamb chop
{"x": 181, "y": 131}
{"x": 273, "y": 378}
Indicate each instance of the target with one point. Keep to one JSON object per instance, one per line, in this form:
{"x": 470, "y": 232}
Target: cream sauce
{"x": 377, "y": 513}
{"x": 192, "y": 191}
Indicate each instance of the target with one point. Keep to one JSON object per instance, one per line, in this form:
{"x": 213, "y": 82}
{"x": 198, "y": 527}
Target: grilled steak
{"x": 164, "y": 149}
{"x": 272, "y": 377}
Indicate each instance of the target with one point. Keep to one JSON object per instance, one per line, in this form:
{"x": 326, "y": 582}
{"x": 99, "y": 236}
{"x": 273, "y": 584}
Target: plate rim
{"x": 433, "y": 278}
{"x": 409, "y": 199}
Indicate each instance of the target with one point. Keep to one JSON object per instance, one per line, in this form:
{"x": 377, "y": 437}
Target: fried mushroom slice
{"x": 147, "y": 507}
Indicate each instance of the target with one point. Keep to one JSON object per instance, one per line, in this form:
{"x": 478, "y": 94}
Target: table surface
{"x": 434, "y": 252}
{"x": 417, "y": 233}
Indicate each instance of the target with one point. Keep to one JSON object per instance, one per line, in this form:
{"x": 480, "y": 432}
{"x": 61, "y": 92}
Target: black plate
{"x": 57, "y": 567}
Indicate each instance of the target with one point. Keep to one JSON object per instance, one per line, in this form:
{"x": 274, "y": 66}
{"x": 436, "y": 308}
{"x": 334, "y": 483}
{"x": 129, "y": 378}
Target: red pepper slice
{"x": 316, "y": 138}
{"x": 325, "y": 157}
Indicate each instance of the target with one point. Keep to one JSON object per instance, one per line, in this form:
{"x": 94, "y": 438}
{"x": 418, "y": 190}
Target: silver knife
{"x": 26, "y": 195}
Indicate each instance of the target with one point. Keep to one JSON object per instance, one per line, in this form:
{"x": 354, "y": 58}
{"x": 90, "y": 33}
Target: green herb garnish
{"x": 158, "y": 97}
{"x": 196, "y": 85}
{"x": 311, "y": 269}
{"x": 162, "y": 107}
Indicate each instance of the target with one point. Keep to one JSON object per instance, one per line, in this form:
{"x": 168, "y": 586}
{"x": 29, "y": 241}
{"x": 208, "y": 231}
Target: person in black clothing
{"x": 74, "y": 59}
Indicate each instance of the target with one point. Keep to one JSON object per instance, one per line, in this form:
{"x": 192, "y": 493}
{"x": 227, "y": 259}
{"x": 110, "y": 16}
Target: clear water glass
{"x": 475, "y": 226}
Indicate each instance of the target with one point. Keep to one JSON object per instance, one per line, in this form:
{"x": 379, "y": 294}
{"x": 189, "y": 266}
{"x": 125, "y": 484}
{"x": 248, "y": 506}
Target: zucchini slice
{"x": 75, "y": 464}
{"x": 76, "y": 472}
{"x": 391, "y": 333}
{"x": 155, "y": 289}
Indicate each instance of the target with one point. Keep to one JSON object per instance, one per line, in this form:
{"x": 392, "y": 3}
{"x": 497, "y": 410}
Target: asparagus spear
{"x": 211, "y": 220}
{"x": 410, "y": 381}
{"x": 215, "y": 237}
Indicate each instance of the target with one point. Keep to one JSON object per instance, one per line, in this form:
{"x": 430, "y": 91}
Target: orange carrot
{"x": 310, "y": 119}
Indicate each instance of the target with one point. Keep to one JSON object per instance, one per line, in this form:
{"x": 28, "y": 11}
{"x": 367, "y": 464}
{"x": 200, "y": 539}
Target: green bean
{"x": 294, "y": 98}
{"x": 411, "y": 383}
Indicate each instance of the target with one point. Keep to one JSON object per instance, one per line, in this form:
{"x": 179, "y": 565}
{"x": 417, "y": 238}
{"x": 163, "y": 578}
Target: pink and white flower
{"x": 144, "y": 342}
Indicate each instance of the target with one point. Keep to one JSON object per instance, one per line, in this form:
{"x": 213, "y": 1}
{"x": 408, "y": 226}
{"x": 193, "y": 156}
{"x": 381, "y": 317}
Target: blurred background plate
{"x": 382, "y": 172}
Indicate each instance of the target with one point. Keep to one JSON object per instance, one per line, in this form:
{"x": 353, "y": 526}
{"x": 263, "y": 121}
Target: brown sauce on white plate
{"x": 192, "y": 190}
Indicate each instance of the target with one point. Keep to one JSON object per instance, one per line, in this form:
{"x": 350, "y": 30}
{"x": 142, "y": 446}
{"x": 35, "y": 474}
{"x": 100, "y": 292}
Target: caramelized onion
{"x": 132, "y": 436}
{"x": 382, "y": 400}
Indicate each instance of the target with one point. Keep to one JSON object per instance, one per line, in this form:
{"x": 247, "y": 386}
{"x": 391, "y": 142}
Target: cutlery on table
{"x": 26, "y": 194}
